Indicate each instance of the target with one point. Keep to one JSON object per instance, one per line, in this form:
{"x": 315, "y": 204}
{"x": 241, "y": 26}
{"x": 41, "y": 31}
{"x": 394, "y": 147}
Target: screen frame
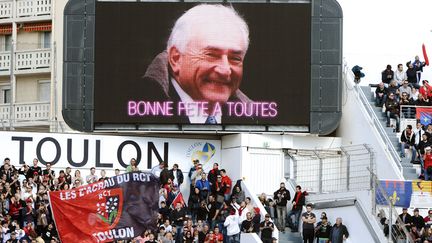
{"x": 326, "y": 73}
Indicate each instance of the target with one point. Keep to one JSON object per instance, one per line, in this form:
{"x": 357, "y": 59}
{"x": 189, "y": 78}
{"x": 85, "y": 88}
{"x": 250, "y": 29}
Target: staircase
{"x": 289, "y": 237}
{"x": 409, "y": 170}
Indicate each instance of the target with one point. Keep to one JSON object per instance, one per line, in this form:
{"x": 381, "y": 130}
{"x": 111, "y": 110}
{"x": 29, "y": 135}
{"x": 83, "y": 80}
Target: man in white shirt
{"x": 400, "y": 75}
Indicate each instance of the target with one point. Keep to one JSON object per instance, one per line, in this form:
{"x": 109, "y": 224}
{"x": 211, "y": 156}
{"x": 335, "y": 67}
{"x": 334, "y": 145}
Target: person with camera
{"x": 309, "y": 220}
{"x": 267, "y": 228}
{"x": 281, "y": 197}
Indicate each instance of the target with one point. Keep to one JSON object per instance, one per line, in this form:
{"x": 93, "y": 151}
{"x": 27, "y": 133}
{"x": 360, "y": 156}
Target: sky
{"x": 381, "y": 32}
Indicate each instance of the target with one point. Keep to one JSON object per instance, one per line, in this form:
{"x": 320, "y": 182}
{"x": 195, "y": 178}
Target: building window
{"x": 45, "y": 40}
{"x": 6, "y": 95}
{"x": 44, "y": 89}
{"x": 6, "y": 42}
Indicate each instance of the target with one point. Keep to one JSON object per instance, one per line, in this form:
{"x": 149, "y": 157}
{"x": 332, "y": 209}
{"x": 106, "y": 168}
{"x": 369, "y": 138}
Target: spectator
{"x": 177, "y": 217}
{"x": 406, "y": 219}
{"x": 218, "y": 235}
{"x": 393, "y": 89}
{"x": 133, "y": 163}
{"x": 193, "y": 168}
{"x": 400, "y": 75}
{"x": 213, "y": 173}
{"x": 194, "y": 202}
{"x": 428, "y": 219}
{"x": 238, "y": 195}
{"x": 411, "y": 74}
{"x": 233, "y": 229}
{"x": 158, "y": 169}
{"x": 322, "y": 230}
{"x": 165, "y": 174}
{"x": 35, "y": 170}
{"x": 177, "y": 175}
{"x": 247, "y": 226}
{"x": 281, "y": 196}
{"x": 203, "y": 186}
{"x": 116, "y": 172}
{"x": 387, "y": 75}
{"x": 392, "y": 110}
{"x": 427, "y": 167}
{"x": 218, "y": 189}
{"x": 267, "y": 228}
{"x": 227, "y": 184}
{"x": 422, "y": 101}
{"x": 68, "y": 175}
{"x": 414, "y": 95}
{"x": 415, "y": 235}
{"x": 405, "y": 88}
{"x": 298, "y": 203}
{"x": 339, "y": 232}
{"x": 103, "y": 175}
{"x": 418, "y": 66}
{"x": 309, "y": 220}
{"x": 92, "y": 178}
{"x": 417, "y": 220}
{"x": 380, "y": 95}
{"x": 405, "y": 106}
{"x": 426, "y": 89}
{"x": 408, "y": 142}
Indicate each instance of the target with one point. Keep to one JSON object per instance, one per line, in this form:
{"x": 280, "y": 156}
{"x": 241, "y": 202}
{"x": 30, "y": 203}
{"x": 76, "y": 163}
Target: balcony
{"x": 26, "y": 10}
{"x": 26, "y": 62}
{"x": 25, "y": 114}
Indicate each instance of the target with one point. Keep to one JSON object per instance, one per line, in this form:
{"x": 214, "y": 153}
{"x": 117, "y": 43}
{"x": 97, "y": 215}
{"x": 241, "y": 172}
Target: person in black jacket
{"x": 339, "y": 232}
{"x": 380, "y": 95}
{"x": 408, "y": 142}
{"x": 177, "y": 175}
{"x": 177, "y": 217}
{"x": 392, "y": 110}
{"x": 417, "y": 220}
{"x": 298, "y": 203}
{"x": 387, "y": 75}
{"x": 406, "y": 218}
{"x": 281, "y": 197}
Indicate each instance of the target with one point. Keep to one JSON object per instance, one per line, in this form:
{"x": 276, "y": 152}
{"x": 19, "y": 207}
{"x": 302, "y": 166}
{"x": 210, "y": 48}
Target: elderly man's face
{"x": 211, "y": 66}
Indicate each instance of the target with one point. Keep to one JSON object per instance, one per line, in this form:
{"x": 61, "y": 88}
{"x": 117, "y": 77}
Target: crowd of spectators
{"x": 401, "y": 87}
{"x": 312, "y": 231}
{"x": 216, "y": 211}
{"x": 405, "y": 88}
{"x": 418, "y": 227}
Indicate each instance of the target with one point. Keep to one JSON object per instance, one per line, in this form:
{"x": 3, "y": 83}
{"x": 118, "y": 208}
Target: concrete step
{"x": 289, "y": 237}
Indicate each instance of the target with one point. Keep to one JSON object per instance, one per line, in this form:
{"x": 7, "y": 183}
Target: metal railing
{"x": 25, "y": 8}
{"x": 25, "y": 61}
{"x": 333, "y": 170}
{"x": 25, "y": 112}
{"x": 375, "y": 120}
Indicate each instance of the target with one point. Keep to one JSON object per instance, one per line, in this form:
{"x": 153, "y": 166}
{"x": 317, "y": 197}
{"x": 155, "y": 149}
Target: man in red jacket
{"x": 427, "y": 167}
{"x": 226, "y": 181}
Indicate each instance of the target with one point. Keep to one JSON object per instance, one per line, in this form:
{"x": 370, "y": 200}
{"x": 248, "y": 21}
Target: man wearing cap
{"x": 405, "y": 217}
{"x": 417, "y": 220}
{"x": 267, "y": 228}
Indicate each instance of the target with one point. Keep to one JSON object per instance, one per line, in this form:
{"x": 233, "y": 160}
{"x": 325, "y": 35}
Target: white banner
{"x": 82, "y": 152}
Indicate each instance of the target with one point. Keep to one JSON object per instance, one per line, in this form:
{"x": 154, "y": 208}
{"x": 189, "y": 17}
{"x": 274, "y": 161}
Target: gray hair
{"x": 204, "y": 13}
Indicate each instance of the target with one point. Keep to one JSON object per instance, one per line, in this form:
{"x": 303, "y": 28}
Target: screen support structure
{"x": 326, "y": 73}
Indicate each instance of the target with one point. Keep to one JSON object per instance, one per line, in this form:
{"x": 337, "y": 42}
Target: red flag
{"x": 118, "y": 208}
{"x": 178, "y": 199}
{"x": 424, "y": 114}
{"x": 425, "y": 55}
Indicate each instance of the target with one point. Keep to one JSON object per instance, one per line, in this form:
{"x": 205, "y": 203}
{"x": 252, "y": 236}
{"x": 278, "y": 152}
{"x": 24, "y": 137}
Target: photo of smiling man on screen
{"x": 201, "y": 70}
